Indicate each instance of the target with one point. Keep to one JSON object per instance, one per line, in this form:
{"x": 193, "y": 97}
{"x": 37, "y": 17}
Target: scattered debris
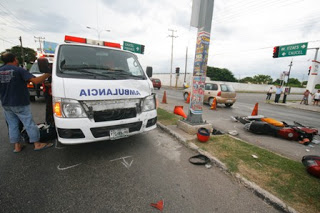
{"x": 217, "y": 132}
{"x": 315, "y": 141}
{"x": 254, "y": 156}
{"x": 199, "y": 160}
{"x": 307, "y": 150}
{"x": 159, "y": 205}
{"x": 208, "y": 165}
{"x": 234, "y": 119}
{"x": 233, "y": 132}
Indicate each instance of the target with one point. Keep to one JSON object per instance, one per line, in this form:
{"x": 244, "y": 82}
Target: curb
{"x": 261, "y": 193}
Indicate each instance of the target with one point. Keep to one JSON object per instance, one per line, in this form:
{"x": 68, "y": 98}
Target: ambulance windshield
{"x": 75, "y": 61}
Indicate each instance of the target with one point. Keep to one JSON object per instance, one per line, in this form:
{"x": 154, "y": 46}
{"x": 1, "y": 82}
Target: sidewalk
{"x": 297, "y": 105}
{"x": 186, "y": 139}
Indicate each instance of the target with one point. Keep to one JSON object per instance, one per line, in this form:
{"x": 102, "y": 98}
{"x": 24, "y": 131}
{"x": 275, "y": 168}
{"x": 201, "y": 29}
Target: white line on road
{"x": 68, "y": 167}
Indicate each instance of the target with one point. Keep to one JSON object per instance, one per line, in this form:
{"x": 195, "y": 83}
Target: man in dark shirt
{"x": 15, "y": 99}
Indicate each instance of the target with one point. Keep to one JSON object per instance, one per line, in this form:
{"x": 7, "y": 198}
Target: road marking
{"x": 68, "y": 167}
{"x": 124, "y": 162}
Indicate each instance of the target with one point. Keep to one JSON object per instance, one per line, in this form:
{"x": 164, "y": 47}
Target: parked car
{"x": 224, "y": 93}
{"x": 35, "y": 90}
{"x": 156, "y": 82}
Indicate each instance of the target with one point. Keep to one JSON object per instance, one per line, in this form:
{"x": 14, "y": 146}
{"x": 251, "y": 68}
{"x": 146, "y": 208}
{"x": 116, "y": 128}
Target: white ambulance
{"x": 99, "y": 92}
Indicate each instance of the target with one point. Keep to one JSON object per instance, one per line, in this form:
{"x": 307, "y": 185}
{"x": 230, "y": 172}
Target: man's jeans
{"x": 23, "y": 113}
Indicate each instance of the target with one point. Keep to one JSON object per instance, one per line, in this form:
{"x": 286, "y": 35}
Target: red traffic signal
{"x": 275, "y": 52}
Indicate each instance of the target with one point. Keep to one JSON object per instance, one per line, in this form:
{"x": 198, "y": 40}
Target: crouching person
{"x": 15, "y": 100}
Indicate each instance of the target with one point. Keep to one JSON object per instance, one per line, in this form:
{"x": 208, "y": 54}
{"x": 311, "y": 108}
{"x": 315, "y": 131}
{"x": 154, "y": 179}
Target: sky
{"x": 243, "y": 33}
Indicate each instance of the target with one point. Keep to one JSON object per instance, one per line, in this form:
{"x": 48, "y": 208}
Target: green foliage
{"x": 277, "y": 82}
{"x": 218, "y": 74}
{"x": 246, "y": 80}
{"x": 317, "y": 86}
{"x": 262, "y": 79}
{"x": 29, "y": 54}
{"x": 167, "y": 118}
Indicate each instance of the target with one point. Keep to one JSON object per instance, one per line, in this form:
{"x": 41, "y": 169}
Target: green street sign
{"x": 132, "y": 47}
{"x": 293, "y": 50}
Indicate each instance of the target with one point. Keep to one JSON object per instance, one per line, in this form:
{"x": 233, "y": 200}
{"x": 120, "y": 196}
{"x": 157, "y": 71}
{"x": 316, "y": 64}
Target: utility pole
{"x": 40, "y": 40}
{"x": 185, "y": 69}
{"x": 285, "y": 93}
{"x": 172, "y": 37}
{"x": 290, "y": 65}
{"x": 22, "y": 53}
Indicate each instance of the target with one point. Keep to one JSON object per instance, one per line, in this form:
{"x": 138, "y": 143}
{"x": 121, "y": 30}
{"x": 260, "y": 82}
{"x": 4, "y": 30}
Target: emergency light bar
{"x": 70, "y": 39}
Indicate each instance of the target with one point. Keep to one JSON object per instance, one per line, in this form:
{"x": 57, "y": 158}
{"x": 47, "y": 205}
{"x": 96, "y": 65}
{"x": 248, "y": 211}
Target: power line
{"x": 18, "y": 21}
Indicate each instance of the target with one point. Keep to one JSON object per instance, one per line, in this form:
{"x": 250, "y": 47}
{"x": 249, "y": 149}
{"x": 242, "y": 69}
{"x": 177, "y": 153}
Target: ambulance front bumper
{"x": 84, "y": 130}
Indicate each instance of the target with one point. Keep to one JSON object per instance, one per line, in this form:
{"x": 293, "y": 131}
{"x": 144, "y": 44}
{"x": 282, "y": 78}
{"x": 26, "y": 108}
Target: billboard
{"x": 49, "y": 47}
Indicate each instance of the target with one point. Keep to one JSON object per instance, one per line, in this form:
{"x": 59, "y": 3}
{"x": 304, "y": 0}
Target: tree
{"x": 294, "y": 82}
{"x": 262, "y": 79}
{"x": 277, "y": 82}
{"x": 247, "y": 80}
{"x": 29, "y": 54}
{"x": 218, "y": 74}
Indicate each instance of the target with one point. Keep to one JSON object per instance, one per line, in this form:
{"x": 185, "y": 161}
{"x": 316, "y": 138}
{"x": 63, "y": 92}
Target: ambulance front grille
{"x": 114, "y": 114}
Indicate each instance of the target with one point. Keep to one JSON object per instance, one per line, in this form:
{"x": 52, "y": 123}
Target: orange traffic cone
{"x": 188, "y": 98}
{"x": 164, "y": 98}
{"x": 178, "y": 110}
{"x": 255, "y": 110}
{"x": 158, "y": 205}
{"x": 214, "y": 104}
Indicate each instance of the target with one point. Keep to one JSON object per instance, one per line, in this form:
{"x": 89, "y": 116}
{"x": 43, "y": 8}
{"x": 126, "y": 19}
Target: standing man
{"x": 269, "y": 93}
{"x": 278, "y": 94}
{"x": 15, "y": 100}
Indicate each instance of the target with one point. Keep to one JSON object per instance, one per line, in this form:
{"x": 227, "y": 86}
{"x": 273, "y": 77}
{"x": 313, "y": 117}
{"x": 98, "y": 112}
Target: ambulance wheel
{"x": 32, "y": 98}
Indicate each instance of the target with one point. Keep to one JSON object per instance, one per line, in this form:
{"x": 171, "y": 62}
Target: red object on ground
{"x": 158, "y": 205}
{"x": 164, "y": 98}
{"x": 178, "y": 110}
{"x": 312, "y": 162}
{"x": 203, "y": 134}
{"x": 288, "y": 133}
{"x": 255, "y": 110}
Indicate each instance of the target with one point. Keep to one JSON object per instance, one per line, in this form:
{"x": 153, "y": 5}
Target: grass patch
{"x": 285, "y": 178}
{"x": 167, "y": 118}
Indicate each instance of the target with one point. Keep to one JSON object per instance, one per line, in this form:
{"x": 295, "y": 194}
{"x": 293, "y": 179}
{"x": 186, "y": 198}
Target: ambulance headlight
{"x": 68, "y": 108}
{"x": 149, "y": 103}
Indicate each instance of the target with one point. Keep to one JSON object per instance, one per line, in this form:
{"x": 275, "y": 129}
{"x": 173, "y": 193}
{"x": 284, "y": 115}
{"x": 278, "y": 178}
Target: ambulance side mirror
{"x": 149, "y": 72}
{"x": 44, "y": 65}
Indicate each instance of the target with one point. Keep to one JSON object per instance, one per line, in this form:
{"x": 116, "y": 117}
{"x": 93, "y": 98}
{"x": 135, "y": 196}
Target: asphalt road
{"x": 115, "y": 176}
{"x": 221, "y": 120}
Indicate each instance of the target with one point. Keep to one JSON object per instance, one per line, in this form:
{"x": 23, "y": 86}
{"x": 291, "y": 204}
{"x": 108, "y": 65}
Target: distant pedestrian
{"x": 305, "y": 97}
{"x": 269, "y": 94}
{"x": 316, "y": 98}
{"x": 278, "y": 94}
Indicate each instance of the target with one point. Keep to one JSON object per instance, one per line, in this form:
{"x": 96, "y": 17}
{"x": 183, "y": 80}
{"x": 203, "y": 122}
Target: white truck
{"x": 99, "y": 92}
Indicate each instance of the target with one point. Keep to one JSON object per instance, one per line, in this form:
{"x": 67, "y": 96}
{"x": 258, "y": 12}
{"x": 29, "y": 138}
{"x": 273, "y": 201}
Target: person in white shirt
{"x": 316, "y": 98}
{"x": 269, "y": 93}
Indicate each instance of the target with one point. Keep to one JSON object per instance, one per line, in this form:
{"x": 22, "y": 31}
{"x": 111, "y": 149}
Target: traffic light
{"x": 177, "y": 70}
{"x": 275, "y": 52}
{"x": 309, "y": 70}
